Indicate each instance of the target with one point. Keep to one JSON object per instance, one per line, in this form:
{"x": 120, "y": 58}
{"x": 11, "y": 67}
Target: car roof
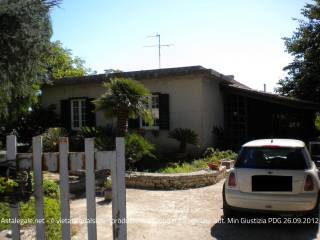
{"x": 275, "y": 142}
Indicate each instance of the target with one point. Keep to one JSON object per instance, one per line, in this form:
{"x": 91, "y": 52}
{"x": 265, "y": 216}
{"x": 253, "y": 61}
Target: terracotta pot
{"x": 213, "y": 166}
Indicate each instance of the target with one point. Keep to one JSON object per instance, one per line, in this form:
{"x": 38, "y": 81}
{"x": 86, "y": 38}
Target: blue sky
{"x": 236, "y": 37}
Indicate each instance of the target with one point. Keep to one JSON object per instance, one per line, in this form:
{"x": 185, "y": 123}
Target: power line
{"x": 159, "y": 45}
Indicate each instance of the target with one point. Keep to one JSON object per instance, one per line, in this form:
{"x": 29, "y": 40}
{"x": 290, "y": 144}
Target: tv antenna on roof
{"x": 159, "y": 46}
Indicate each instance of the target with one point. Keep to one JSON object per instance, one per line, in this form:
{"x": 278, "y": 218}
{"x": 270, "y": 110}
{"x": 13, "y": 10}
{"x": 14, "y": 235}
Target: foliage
{"x": 104, "y": 137}
{"x": 317, "y": 122}
{"x": 51, "y": 139}
{"x": 184, "y": 136}
{"x": 30, "y": 124}
{"x": 51, "y": 189}
{"x": 210, "y": 156}
{"x": 60, "y": 63}
{"x": 25, "y": 32}
{"x": 27, "y": 211}
{"x": 7, "y": 185}
{"x": 108, "y": 183}
{"x": 303, "y": 73}
{"x": 124, "y": 98}
{"x": 137, "y": 148}
{"x": 210, "y": 152}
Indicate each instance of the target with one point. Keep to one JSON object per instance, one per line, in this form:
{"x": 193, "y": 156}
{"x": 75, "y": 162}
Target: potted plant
{"x": 213, "y": 166}
{"x": 108, "y": 190}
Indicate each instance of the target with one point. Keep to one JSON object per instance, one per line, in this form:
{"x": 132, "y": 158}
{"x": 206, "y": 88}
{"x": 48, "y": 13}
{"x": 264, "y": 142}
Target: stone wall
{"x": 174, "y": 181}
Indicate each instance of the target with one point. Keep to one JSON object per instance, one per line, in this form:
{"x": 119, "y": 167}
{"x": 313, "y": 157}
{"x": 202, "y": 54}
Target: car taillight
{"x": 308, "y": 184}
{"x": 232, "y": 180}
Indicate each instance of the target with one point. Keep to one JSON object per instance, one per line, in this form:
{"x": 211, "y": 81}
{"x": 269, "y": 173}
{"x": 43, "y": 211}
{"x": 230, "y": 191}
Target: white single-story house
{"x": 188, "y": 97}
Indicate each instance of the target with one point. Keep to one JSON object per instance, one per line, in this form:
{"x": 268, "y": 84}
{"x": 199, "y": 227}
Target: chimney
{"x": 265, "y": 87}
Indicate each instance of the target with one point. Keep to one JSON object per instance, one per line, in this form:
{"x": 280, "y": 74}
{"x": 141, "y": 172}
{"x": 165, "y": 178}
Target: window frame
{"x": 82, "y": 122}
{"x": 150, "y": 107}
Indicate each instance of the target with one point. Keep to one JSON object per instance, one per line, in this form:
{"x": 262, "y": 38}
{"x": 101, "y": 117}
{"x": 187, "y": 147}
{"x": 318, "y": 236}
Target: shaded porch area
{"x": 250, "y": 114}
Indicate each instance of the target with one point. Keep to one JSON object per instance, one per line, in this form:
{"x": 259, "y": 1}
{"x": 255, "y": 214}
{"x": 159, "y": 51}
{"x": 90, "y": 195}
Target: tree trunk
{"x": 122, "y": 123}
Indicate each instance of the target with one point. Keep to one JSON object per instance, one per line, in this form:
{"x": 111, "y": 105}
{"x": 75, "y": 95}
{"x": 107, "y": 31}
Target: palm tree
{"x": 124, "y": 98}
{"x": 184, "y": 136}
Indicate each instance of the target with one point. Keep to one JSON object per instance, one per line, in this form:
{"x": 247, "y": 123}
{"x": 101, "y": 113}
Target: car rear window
{"x": 272, "y": 158}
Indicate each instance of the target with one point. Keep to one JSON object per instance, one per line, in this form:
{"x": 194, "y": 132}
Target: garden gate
{"x": 62, "y": 162}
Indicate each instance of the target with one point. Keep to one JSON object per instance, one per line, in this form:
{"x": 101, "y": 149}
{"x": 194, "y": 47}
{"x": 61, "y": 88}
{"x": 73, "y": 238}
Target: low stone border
{"x": 174, "y": 181}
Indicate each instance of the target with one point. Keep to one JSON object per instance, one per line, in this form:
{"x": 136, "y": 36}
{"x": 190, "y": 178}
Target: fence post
{"x": 90, "y": 189}
{"x": 119, "y": 193}
{"x": 64, "y": 187}
{"x": 38, "y": 191}
{"x": 11, "y": 147}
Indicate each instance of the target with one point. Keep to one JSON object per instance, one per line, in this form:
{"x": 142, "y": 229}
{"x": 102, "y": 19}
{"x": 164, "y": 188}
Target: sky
{"x": 234, "y": 37}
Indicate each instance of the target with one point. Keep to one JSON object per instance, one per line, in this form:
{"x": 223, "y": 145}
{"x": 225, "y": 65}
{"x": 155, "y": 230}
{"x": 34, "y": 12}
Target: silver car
{"x": 272, "y": 175}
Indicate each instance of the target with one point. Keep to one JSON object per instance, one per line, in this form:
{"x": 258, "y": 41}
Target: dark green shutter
{"x": 65, "y": 113}
{"x": 90, "y": 113}
{"x": 164, "y": 116}
{"x": 133, "y": 123}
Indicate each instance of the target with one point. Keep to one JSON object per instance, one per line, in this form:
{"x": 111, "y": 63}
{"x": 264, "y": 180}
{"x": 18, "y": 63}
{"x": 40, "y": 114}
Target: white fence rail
{"x": 62, "y": 162}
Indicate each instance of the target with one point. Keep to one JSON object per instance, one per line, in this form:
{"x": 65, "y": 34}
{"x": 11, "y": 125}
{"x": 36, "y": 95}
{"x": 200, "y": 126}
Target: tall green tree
{"x": 303, "y": 79}
{"x": 25, "y": 32}
{"x": 56, "y": 63}
{"x": 59, "y": 62}
{"x": 124, "y": 98}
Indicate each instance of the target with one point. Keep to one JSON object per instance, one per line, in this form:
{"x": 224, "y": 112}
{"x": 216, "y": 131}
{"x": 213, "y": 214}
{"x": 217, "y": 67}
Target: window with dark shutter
{"x": 159, "y": 107}
{"x": 164, "y": 116}
{"x": 153, "y": 107}
{"x": 90, "y": 113}
{"x": 65, "y": 113}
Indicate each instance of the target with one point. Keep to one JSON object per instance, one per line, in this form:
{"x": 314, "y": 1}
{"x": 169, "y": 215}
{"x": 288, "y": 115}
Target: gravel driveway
{"x": 184, "y": 214}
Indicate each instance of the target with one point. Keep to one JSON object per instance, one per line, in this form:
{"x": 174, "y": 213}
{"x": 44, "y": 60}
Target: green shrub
{"x": 184, "y": 136}
{"x": 7, "y": 185}
{"x": 179, "y": 168}
{"x": 137, "y": 148}
{"x": 51, "y": 189}
{"x": 108, "y": 183}
{"x": 317, "y": 121}
{"x": 29, "y": 124}
{"x": 51, "y": 139}
{"x": 208, "y": 152}
{"x": 210, "y": 156}
{"x": 27, "y": 211}
{"x": 104, "y": 137}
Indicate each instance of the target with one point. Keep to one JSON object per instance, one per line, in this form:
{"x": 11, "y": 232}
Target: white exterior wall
{"x": 54, "y": 94}
{"x": 195, "y": 102}
{"x": 213, "y": 109}
{"x": 184, "y": 105}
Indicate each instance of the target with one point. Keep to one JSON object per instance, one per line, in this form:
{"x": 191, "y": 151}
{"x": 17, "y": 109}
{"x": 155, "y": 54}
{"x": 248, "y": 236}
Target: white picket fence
{"x": 62, "y": 162}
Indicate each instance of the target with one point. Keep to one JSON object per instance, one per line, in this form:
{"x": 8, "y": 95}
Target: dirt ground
{"x": 185, "y": 214}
